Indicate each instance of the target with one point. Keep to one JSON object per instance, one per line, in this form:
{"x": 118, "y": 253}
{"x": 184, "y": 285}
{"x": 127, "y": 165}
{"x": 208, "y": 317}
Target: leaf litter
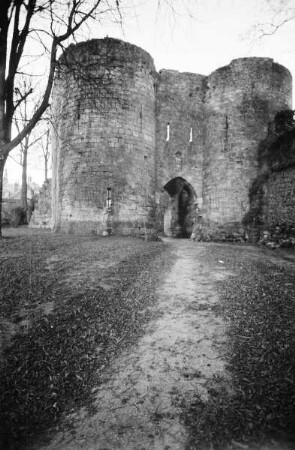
{"x": 258, "y": 305}
{"x": 53, "y": 364}
{"x": 50, "y": 366}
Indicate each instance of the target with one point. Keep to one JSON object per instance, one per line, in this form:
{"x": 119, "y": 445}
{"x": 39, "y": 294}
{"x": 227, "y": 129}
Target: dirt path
{"x": 138, "y": 406}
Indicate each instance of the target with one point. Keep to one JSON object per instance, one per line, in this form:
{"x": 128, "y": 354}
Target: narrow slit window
{"x": 168, "y": 132}
{"x": 78, "y": 114}
{"x": 191, "y": 135}
{"x": 109, "y": 197}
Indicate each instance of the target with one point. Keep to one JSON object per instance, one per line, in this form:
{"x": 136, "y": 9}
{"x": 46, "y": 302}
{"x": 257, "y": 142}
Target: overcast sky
{"x": 217, "y": 32}
{"x": 200, "y": 36}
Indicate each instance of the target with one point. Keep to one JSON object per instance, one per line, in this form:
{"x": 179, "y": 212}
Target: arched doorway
{"x": 179, "y": 216}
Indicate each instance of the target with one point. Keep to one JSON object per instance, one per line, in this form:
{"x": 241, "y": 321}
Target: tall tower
{"x": 241, "y": 99}
{"x": 104, "y": 145}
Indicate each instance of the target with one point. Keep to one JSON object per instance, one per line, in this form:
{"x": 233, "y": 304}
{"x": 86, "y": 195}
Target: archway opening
{"x": 179, "y": 216}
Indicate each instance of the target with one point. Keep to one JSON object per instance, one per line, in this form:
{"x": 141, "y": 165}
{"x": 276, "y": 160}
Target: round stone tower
{"x": 104, "y": 144}
{"x": 241, "y": 99}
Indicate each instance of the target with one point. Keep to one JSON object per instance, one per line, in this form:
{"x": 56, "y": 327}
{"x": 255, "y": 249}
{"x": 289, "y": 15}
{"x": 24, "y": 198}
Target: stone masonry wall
{"x": 271, "y": 219}
{"x": 241, "y": 100}
{"x": 104, "y": 150}
{"x": 279, "y": 205}
{"x": 179, "y": 132}
{"x": 180, "y": 108}
{"x": 123, "y": 133}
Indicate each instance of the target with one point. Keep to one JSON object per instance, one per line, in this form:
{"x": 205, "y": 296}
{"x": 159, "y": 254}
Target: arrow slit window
{"x": 109, "y": 197}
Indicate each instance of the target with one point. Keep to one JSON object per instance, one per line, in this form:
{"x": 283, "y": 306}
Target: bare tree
{"x": 20, "y": 120}
{"x": 49, "y": 24}
{"x": 29, "y": 30}
{"x": 45, "y": 146}
{"x": 278, "y": 13}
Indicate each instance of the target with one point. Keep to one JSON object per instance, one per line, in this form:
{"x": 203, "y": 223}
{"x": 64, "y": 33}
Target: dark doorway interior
{"x": 184, "y": 209}
{"x": 181, "y": 208}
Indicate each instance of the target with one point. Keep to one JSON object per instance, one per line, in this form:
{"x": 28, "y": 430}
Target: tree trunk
{"x": 2, "y": 164}
{"x": 24, "y": 188}
{"x": 46, "y": 167}
{"x": 46, "y": 154}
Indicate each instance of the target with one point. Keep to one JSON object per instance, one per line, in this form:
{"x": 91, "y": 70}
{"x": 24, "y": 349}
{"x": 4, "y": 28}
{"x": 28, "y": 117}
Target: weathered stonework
{"x": 271, "y": 218}
{"x": 280, "y": 197}
{"x": 241, "y": 101}
{"x": 135, "y": 149}
{"x": 104, "y": 158}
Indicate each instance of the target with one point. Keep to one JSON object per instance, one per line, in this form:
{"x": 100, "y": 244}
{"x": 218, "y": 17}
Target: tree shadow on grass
{"x": 259, "y": 308}
{"x": 51, "y": 369}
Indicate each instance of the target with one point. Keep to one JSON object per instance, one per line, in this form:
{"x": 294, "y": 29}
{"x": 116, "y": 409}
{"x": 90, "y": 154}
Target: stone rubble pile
{"x": 203, "y": 233}
{"x": 278, "y": 236}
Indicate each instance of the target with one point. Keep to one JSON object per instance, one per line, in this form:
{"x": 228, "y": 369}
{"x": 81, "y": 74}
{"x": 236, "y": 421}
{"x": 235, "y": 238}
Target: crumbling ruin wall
{"x": 279, "y": 208}
{"x": 271, "y": 218}
{"x": 104, "y": 163}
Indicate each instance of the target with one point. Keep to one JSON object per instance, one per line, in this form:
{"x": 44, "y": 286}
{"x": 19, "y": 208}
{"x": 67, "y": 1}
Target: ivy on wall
{"x": 275, "y": 153}
{"x": 277, "y": 150}
{"x": 256, "y": 197}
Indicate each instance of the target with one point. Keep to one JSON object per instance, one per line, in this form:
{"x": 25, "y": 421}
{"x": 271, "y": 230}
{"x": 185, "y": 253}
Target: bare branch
{"x": 17, "y": 162}
{"x": 32, "y": 143}
{"x": 41, "y": 109}
{"x": 23, "y": 97}
{"x": 275, "y": 27}
{"x": 71, "y": 29}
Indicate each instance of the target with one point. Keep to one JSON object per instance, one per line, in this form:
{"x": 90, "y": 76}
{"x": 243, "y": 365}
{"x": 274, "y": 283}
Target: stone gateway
{"x": 136, "y": 150}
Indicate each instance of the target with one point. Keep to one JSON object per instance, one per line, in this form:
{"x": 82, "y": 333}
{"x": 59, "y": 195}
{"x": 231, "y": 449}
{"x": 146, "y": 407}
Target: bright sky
{"x": 217, "y": 32}
{"x": 201, "y": 36}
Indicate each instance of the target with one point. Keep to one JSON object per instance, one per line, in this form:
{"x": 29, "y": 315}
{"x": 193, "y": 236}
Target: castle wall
{"x": 241, "y": 100}
{"x": 279, "y": 206}
{"x": 104, "y": 161}
{"x": 180, "y": 107}
{"x": 179, "y": 133}
{"x": 278, "y": 171}
{"x": 271, "y": 218}
{"x": 135, "y": 149}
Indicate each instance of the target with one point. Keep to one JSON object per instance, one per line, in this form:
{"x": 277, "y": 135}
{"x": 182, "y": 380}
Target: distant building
{"x": 11, "y": 200}
{"x": 13, "y": 190}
